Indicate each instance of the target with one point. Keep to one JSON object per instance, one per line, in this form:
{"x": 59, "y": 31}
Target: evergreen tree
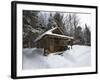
{"x": 50, "y": 22}
{"x": 79, "y": 35}
{"x": 30, "y": 21}
{"x": 87, "y": 35}
{"x": 58, "y": 17}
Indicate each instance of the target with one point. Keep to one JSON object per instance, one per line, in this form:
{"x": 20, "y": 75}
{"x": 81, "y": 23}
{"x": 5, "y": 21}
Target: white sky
{"x": 85, "y": 19}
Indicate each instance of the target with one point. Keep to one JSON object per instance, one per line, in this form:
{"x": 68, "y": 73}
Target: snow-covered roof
{"x": 61, "y": 36}
{"x": 49, "y": 32}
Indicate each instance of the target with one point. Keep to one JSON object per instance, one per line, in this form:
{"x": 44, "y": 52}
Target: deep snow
{"x": 78, "y": 56}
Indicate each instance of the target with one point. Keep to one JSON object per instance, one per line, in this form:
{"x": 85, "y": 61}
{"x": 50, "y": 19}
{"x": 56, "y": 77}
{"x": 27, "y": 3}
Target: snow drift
{"x": 78, "y": 56}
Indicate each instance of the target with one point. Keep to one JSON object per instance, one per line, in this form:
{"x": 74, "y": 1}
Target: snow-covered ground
{"x": 78, "y": 56}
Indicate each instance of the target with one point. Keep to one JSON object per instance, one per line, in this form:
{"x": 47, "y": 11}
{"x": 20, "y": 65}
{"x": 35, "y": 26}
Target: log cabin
{"x": 53, "y": 41}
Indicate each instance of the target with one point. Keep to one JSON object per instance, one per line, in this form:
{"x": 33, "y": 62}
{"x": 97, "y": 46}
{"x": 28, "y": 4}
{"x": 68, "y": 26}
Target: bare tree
{"x": 71, "y": 22}
{"x": 75, "y": 24}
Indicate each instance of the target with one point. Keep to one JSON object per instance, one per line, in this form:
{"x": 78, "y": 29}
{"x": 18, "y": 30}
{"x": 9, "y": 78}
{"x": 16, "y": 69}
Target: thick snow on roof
{"x": 49, "y": 32}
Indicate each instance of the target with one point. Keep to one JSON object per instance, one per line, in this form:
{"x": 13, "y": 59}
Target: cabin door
{"x": 51, "y": 45}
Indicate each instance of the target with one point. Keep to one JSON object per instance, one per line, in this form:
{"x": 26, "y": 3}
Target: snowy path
{"x": 79, "y": 56}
